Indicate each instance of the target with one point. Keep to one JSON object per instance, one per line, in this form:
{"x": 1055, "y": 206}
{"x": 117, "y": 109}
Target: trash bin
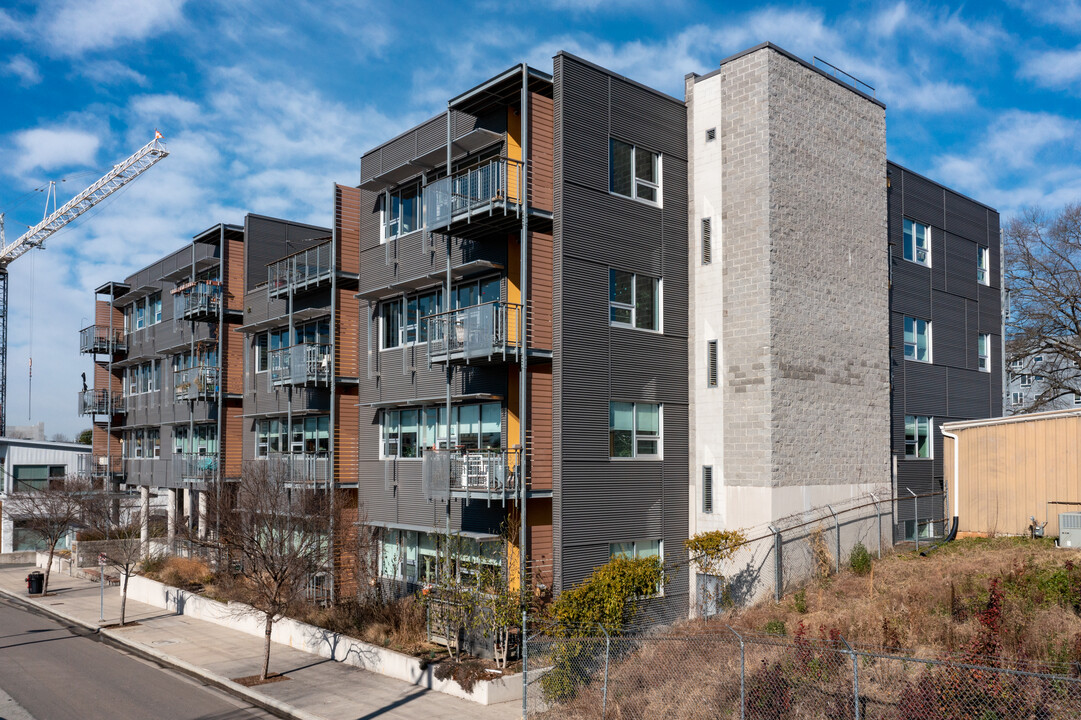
{"x": 35, "y": 582}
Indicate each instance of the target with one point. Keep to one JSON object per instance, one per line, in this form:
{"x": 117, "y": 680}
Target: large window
{"x": 416, "y": 556}
{"x": 917, "y": 339}
{"x": 983, "y": 264}
{"x": 634, "y": 300}
{"x": 397, "y": 329}
{"x": 310, "y": 436}
{"x": 203, "y": 441}
{"x": 390, "y": 324}
{"x": 983, "y": 350}
{"x": 917, "y": 242}
{"x": 634, "y": 430}
{"x": 917, "y": 436}
{"x": 34, "y": 477}
{"x": 144, "y": 378}
{"x": 634, "y": 172}
{"x": 401, "y": 212}
{"x": 406, "y": 433}
{"x": 639, "y": 549}
{"x": 417, "y": 307}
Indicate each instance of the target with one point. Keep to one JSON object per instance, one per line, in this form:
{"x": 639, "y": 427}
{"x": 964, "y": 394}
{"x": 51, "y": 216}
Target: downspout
{"x": 523, "y": 343}
{"x": 447, "y": 367}
{"x": 331, "y": 478}
{"x": 956, "y": 483}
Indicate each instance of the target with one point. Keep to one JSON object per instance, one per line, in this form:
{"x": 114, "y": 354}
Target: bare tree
{"x": 1043, "y": 274}
{"x": 115, "y": 524}
{"x": 49, "y": 510}
{"x": 277, "y": 533}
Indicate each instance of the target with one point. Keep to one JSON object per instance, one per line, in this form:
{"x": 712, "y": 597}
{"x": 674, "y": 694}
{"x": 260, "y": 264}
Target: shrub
{"x": 800, "y": 601}
{"x": 769, "y": 694}
{"x": 860, "y": 559}
{"x": 820, "y": 551}
{"x": 184, "y": 572}
{"x": 775, "y": 627}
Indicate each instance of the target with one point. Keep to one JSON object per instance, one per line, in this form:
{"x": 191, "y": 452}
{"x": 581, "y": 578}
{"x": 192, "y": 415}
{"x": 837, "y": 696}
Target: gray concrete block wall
{"x": 828, "y": 289}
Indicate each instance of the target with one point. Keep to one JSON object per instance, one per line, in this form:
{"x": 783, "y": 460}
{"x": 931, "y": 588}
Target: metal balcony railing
{"x": 301, "y": 364}
{"x": 306, "y": 269}
{"x": 98, "y": 466}
{"x": 195, "y": 468}
{"x": 489, "y": 330}
{"x": 96, "y": 401}
{"x": 196, "y": 300}
{"x": 497, "y": 184}
{"x": 102, "y": 340}
{"x": 300, "y": 468}
{"x": 461, "y": 472}
{"x": 196, "y": 383}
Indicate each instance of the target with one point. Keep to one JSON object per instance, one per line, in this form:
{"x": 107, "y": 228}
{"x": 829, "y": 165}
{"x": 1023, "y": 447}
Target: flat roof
{"x": 1010, "y": 419}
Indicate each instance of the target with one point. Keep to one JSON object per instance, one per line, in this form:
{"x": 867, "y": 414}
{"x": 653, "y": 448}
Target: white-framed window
{"x": 918, "y": 436}
{"x": 1025, "y": 380}
{"x": 983, "y": 350}
{"x": 1017, "y": 364}
{"x": 917, "y": 244}
{"x": 310, "y": 436}
{"x": 129, "y": 319}
{"x": 421, "y": 306}
{"x": 407, "y": 432}
{"x": 390, "y": 324}
{"x": 983, "y": 265}
{"x": 260, "y": 347}
{"x": 634, "y": 300}
{"x": 917, "y": 339}
{"x": 639, "y": 549}
{"x": 140, "y": 314}
{"x": 634, "y": 172}
{"x": 153, "y": 442}
{"x": 1077, "y": 398}
{"x": 634, "y": 430}
{"x": 1037, "y": 360}
{"x": 401, "y": 212}
{"x": 1018, "y": 398}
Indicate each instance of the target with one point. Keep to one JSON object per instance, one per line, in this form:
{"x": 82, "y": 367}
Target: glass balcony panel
{"x": 301, "y": 364}
{"x": 196, "y": 383}
{"x": 479, "y": 331}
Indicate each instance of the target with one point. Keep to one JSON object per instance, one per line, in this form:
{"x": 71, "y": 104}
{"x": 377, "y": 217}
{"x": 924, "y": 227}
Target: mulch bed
{"x": 253, "y": 680}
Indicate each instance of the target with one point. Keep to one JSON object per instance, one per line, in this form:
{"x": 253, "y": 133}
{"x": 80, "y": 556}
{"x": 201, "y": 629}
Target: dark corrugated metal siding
{"x": 598, "y": 501}
{"x": 959, "y": 308}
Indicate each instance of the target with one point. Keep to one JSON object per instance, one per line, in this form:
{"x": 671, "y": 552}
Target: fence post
{"x": 855, "y": 677}
{"x": 778, "y": 567}
{"x": 878, "y": 516}
{"x": 607, "y": 649}
{"x": 525, "y": 668}
{"x": 916, "y": 514}
{"x": 742, "y": 667}
{"x": 837, "y": 530}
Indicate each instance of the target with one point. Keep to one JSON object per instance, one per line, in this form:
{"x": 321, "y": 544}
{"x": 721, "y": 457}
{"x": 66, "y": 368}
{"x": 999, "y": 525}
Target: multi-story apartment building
{"x": 168, "y": 400}
{"x": 1044, "y": 381}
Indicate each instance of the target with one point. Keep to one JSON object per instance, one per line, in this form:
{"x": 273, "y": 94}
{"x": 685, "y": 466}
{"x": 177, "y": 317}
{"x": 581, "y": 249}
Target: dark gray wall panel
{"x": 911, "y": 289}
{"x": 925, "y": 389}
{"x": 970, "y": 393}
{"x": 948, "y": 330}
{"x": 960, "y": 266}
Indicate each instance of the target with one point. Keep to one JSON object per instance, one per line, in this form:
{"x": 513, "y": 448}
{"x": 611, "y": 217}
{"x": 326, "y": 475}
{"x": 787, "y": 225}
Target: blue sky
{"x": 264, "y": 104}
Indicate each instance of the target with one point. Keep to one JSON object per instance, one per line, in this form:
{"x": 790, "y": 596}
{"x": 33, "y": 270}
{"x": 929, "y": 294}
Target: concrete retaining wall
{"x": 318, "y": 641}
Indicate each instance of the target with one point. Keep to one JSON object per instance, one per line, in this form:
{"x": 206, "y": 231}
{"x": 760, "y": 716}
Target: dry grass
{"x": 905, "y": 602}
{"x": 399, "y": 625}
{"x": 184, "y": 573}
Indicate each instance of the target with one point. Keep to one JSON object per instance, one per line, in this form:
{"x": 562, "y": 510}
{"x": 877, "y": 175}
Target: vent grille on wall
{"x": 707, "y": 241}
{"x": 711, "y": 364}
{"x": 707, "y": 488}
{"x": 711, "y": 134}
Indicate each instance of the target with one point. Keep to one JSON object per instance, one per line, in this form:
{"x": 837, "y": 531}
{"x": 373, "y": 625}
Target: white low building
{"x": 26, "y": 465}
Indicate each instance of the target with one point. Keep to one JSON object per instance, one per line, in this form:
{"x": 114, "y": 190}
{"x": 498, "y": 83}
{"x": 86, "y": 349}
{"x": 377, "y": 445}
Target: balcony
{"x": 102, "y": 340}
{"x": 299, "y": 469}
{"x": 100, "y": 466}
{"x": 470, "y": 474}
{"x": 301, "y": 271}
{"x": 301, "y": 364}
{"x": 196, "y": 383}
{"x": 189, "y": 468}
{"x": 100, "y": 402}
{"x": 492, "y": 189}
{"x": 486, "y": 333}
{"x": 197, "y": 300}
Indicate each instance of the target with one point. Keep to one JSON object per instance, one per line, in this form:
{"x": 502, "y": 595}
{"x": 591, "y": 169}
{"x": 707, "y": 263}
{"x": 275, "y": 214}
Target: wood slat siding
{"x": 541, "y": 146}
{"x": 231, "y": 438}
{"x": 347, "y": 224}
{"x": 104, "y": 312}
{"x": 540, "y": 291}
{"x": 346, "y": 544}
{"x": 233, "y": 272}
{"x": 347, "y": 335}
{"x": 102, "y": 378}
{"x": 540, "y": 428}
{"x": 595, "y": 363}
{"x": 1009, "y": 473}
{"x": 959, "y": 308}
{"x": 539, "y": 559}
{"x": 346, "y": 435}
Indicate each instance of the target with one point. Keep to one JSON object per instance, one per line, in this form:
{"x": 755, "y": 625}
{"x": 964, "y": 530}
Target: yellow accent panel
{"x": 514, "y": 151}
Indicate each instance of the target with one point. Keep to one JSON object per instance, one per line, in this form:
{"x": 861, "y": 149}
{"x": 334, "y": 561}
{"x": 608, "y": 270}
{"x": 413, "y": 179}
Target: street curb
{"x": 269, "y": 704}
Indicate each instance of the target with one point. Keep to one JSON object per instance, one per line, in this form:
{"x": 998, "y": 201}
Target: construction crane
{"x": 121, "y": 174}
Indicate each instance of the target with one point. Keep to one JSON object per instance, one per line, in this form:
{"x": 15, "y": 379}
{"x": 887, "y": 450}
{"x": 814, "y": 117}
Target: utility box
{"x": 1069, "y": 529}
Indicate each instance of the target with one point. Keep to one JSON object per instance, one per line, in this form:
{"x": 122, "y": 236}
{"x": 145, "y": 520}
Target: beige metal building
{"x": 1002, "y": 472}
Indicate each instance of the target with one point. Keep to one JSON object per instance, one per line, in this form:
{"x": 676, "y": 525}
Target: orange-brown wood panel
{"x": 539, "y": 559}
{"x": 104, "y": 312}
{"x": 539, "y": 421}
{"x": 347, "y": 336}
{"x": 234, "y": 273}
{"x": 346, "y": 435}
{"x": 540, "y": 291}
{"x": 346, "y": 556}
{"x": 233, "y": 359}
{"x": 102, "y": 443}
{"x": 104, "y": 380}
{"x": 347, "y": 224}
{"x": 541, "y": 151}
{"x": 232, "y": 438}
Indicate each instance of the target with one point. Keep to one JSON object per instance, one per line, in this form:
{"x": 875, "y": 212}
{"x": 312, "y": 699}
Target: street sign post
{"x": 101, "y": 578}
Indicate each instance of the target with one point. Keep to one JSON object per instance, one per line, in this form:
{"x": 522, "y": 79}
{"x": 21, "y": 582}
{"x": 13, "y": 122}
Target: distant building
{"x": 26, "y": 465}
{"x": 28, "y": 432}
{"x": 1042, "y": 382}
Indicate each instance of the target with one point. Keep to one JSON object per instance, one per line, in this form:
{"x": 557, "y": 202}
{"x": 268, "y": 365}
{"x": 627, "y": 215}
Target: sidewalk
{"x": 318, "y": 689}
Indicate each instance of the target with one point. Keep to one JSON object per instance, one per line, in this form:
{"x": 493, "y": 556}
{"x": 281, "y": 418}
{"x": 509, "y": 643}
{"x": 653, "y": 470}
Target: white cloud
{"x": 1054, "y": 68}
{"x": 1065, "y": 14}
{"x": 73, "y": 27}
{"x": 157, "y": 108}
{"x": 53, "y": 148}
{"x": 110, "y": 72}
{"x": 23, "y": 68}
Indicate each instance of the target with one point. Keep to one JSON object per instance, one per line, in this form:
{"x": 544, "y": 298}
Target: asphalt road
{"x": 60, "y": 673}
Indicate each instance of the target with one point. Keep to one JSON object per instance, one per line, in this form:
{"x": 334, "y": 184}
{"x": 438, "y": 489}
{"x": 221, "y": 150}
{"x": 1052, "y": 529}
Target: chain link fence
{"x": 750, "y": 676}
